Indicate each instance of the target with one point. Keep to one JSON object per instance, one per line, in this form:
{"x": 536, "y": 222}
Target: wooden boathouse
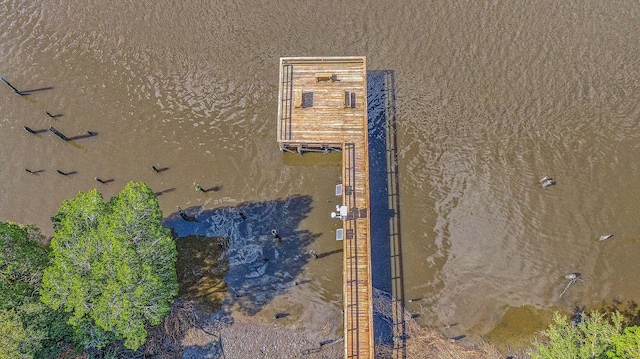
{"x": 322, "y": 106}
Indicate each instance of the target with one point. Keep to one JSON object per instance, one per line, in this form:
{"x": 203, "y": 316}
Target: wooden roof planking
{"x": 322, "y": 100}
{"x": 323, "y": 106}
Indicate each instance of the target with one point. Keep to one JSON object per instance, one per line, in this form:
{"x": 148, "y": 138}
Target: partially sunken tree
{"x": 113, "y": 265}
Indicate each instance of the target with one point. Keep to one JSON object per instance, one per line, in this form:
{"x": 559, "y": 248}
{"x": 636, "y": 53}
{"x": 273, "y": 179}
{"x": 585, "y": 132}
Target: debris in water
{"x": 58, "y": 133}
{"x": 605, "y": 237}
{"x": 572, "y": 277}
{"x": 546, "y": 182}
{"x": 455, "y": 339}
{"x": 28, "y": 129}
{"x": 185, "y": 216}
{"x": 275, "y": 235}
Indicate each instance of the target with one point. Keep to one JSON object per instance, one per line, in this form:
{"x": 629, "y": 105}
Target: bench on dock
{"x": 349, "y": 99}
{"x": 322, "y": 76}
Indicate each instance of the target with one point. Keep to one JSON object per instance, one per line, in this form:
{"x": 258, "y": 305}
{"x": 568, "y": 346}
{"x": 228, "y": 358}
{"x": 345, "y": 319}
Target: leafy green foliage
{"x": 22, "y": 261}
{"x": 593, "y": 337}
{"x": 35, "y": 330}
{"x": 625, "y": 344}
{"x": 113, "y": 265}
{"x": 16, "y": 340}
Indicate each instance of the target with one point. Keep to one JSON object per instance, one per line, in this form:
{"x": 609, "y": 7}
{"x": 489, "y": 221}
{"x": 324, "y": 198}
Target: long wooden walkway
{"x": 323, "y": 107}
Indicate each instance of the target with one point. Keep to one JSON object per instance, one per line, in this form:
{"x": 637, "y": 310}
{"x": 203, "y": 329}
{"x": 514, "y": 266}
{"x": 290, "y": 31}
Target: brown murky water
{"x": 201, "y": 267}
{"x": 490, "y": 97}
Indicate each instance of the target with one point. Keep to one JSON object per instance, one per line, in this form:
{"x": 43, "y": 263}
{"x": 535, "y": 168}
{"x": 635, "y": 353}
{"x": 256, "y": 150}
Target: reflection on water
{"x": 490, "y": 97}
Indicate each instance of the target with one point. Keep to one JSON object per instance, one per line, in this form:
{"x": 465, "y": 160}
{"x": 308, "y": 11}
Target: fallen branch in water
{"x": 573, "y": 277}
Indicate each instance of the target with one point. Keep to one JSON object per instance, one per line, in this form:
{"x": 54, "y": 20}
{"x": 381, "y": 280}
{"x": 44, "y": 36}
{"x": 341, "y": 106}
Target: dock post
{"x": 58, "y": 133}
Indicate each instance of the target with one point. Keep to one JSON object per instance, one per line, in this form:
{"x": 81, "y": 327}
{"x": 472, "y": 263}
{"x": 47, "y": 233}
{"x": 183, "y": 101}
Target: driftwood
{"x": 572, "y": 277}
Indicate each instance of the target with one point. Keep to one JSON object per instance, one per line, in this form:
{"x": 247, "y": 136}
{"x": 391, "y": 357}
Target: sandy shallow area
{"x": 239, "y": 336}
{"x": 264, "y": 301}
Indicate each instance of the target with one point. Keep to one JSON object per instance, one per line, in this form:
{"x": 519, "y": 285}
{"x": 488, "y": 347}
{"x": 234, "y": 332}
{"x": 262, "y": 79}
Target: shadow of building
{"x": 386, "y": 246}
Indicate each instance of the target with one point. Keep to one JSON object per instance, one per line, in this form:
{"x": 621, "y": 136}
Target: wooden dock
{"x": 322, "y": 107}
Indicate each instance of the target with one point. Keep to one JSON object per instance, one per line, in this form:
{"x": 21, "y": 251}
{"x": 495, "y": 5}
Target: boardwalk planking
{"x": 322, "y": 103}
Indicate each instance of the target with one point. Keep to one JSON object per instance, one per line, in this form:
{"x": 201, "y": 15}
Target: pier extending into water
{"x": 322, "y": 107}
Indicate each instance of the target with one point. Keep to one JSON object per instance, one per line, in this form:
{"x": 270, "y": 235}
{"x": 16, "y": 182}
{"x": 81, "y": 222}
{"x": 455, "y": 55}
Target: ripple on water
{"x": 488, "y": 98}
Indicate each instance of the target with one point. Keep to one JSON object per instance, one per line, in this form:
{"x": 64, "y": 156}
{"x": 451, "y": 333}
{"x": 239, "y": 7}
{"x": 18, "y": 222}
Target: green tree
{"x": 28, "y": 328}
{"x": 625, "y": 344}
{"x": 590, "y": 338}
{"x": 16, "y": 340}
{"x": 113, "y": 265}
{"x": 22, "y": 261}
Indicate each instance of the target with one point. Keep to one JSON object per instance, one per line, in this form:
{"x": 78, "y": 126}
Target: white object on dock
{"x": 341, "y": 212}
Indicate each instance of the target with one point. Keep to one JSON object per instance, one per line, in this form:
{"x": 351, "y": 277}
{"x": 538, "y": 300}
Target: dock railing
{"x": 286, "y": 104}
{"x": 352, "y": 301}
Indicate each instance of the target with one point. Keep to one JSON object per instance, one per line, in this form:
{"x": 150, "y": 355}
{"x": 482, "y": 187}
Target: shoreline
{"x": 239, "y": 337}
{"x": 235, "y": 335}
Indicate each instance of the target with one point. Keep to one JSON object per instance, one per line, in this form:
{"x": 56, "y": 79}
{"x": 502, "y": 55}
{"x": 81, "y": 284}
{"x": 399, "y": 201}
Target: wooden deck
{"x": 314, "y": 112}
{"x": 323, "y": 107}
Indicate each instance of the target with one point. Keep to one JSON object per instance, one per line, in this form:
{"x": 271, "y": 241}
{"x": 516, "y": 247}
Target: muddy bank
{"x": 243, "y": 337}
{"x": 306, "y": 333}
{"x": 201, "y": 267}
{"x": 289, "y": 325}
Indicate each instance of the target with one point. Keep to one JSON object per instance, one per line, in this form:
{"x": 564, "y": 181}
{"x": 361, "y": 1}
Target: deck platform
{"x": 322, "y": 102}
{"x": 322, "y": 106}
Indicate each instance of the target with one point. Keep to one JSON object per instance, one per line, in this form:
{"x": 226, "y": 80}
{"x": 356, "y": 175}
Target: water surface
{"x": 490, "y": 97}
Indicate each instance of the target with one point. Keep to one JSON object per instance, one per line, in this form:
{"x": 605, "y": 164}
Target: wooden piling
{"x": 58, "y": 133}
{"x": 10, "y": 85}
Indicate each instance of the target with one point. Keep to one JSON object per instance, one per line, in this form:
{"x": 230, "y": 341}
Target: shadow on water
{"x": 629, "y": 310}
{"x": 28, "y": 92}
{"x": 25, "y": 92}
{"x": 86, "y": 135}
{"x": 160, "y": 193}
{"x": 201, "y": 267}
{"x": 386, "y": 253}
{"x": 260, "y": 266}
